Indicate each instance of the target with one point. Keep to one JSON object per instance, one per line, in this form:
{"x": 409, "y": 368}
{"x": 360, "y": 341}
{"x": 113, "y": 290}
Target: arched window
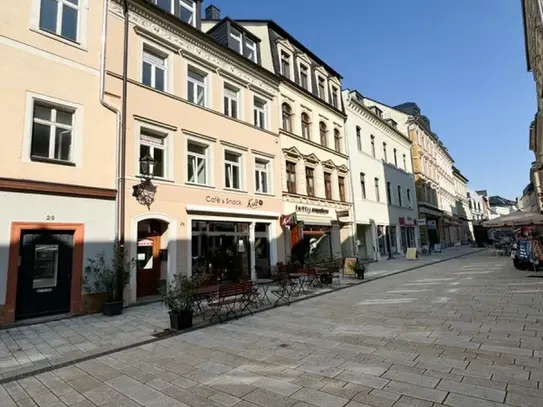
{"x": 337, "y": 140}
{"x": 324, "y": 134}
{"x": 306, "y": 133}
{"x": 287, "y": 117}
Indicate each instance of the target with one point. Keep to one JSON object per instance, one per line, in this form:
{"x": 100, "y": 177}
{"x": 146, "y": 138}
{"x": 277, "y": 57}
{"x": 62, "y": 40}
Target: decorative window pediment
{"x": 292, "y": 152}
{"x": 302, "y": 56}
{"x": 311, "y": 158}
{"x": 320, "y": 69}
{"x": 287, "y": 45}
{"x": 343, "y": 168}
{"x": 329, "y": 164}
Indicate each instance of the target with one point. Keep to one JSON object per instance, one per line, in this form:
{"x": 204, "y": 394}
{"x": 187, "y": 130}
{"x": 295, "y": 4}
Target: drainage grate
{"x": 284, "y": 345}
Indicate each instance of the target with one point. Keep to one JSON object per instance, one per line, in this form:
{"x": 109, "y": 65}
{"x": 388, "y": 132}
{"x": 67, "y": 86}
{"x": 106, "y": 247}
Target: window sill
{"x": 157, "y": 179}
{"x": 241, "y": 191}
{"x": 264, "y": 193}
{"x": 58, "y": 38}
{"x": 196, "y": 185}
{"x": 44, "y": 160}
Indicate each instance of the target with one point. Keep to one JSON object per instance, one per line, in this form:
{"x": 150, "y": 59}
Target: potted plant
{"x": 179, "y": 297}
{"x": 109, "y": 277}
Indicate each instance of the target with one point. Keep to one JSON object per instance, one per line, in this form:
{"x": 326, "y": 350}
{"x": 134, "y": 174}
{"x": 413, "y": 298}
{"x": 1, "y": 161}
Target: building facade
{"x": 462, "y": 212}
{"x": 532, "y": 17}
{"x": 208, "y": 117}
{"x": 317, "y": 207}
{"x": 476, "y": 204}
{"x": 385, "y": 207}
{"x": 58, "y": 205}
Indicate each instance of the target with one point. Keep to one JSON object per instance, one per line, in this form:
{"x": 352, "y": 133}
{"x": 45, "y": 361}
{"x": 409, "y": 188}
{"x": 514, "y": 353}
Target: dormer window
{"x": 187, "y": 11}
{"x": 235, "y": 37}
{"x": 378, "y": 112}
{"x": 322, "y": 87}
{"x": 304, "y": 76}
{"x": 392, "y": 123}
{"x": 335, "y": 97}
{"x": 250, "y": 50}
{"x": 285, "y": 65}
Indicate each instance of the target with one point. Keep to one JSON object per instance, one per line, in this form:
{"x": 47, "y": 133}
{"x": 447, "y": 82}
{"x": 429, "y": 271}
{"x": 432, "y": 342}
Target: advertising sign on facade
{"x": 431, "y": 224}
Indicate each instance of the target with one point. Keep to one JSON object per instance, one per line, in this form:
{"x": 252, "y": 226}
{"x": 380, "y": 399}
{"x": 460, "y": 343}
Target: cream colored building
{"x": 209, "y": 117}
{"x": 314, "y": 161}
{"x": 385, "y": 207}
{"x": 433, "y": 170}
{"x": 463, "y": 231}
{"x": 58, "y": 205}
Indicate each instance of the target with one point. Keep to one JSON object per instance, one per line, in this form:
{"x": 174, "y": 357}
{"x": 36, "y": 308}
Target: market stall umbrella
{"x": 518, "y": 218}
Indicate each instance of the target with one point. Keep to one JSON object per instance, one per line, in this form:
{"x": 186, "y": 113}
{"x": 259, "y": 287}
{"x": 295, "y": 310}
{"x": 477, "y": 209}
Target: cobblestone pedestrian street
{"x": 466, "y": 332}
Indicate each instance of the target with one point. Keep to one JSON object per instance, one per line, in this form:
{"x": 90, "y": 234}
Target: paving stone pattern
{"x": 465, "y": 333}
{"x": 28, "y": 348}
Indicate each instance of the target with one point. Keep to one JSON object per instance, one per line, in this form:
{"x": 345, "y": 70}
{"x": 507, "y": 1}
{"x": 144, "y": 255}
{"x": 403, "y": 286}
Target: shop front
{"x": 316, "y": 232}
{"x": 408, "y": 227}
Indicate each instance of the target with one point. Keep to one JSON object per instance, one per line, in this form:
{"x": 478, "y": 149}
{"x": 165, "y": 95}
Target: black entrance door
{"x": 45, "y": 273}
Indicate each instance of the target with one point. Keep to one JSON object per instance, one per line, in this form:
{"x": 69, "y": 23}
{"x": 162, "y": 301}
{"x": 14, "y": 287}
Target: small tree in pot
{"x": 179, "y": 297}
{"x": 109, "y": 277}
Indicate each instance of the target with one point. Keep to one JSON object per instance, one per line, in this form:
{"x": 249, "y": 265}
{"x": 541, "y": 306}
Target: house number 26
{"x": 50, "y": 217}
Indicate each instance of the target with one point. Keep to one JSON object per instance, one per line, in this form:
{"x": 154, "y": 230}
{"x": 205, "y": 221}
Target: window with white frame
{"x": 232, "y": 170}
{"x": 187, "y": 11}
{"x": 196, "y": 87}
{"x": 231, "y": 101}
{"x": 285, "y": 64}
{"x": 304, "y": 76}
{"x": 153, "y": 145}
{"x": 154, "y": 68}
{"x": 259, "y": 112}
{"x": 166, "y": 5}
{"x": 250, "y": 50}
{"x": 52, "y": 132}
{"x": 236, "y": 40}
{"x": 197, "y": 163}
{"x": 335, "y": 97}
{"x": 61, "y": 17}
{"x": 321, "y": 82}
{"x": 262, "y": 176}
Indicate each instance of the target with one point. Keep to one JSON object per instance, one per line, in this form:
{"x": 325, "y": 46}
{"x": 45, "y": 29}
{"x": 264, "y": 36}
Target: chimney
{"x": 213, "y": 13}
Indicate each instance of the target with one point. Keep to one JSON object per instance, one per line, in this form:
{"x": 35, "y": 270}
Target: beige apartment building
{"x": 58, "y": 204}
{"x": 317, "y": 205}
{"x": 208, "y": 118}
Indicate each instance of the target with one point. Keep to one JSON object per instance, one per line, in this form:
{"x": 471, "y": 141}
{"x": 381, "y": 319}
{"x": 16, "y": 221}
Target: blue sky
{"x": 461, "y": 61}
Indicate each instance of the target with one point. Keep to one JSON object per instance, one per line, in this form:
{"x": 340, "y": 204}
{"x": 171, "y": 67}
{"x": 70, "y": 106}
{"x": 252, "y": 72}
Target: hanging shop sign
{"x": 288, "y": 220}
{"x": 432, "y": 224}
{"x": 343, "y": 213}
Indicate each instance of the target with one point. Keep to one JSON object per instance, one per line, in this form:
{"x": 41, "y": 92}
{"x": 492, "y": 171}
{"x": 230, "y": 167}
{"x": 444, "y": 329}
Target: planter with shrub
{"x": 109, "y": 277}
{"x": 179, "y": 297}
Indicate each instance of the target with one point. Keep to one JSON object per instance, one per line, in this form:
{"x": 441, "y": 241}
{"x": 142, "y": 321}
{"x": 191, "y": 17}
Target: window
{"x": 153, "y": 145}
{"x": 404, "y": 163}
{"x": 335, "y": 98}
{"x": 286, "y": 113}
{"x": 337, "y": 140}
{"x": 377, "y": 194}
{"x": 341, "y": 183}
{"x": 363, "y": 184}
{"x": 285, "y": 65}
{"x": 306, "y": 126}
{"x": 372, "y": 145}
{"x": 399, "y": 195}
{"x": 52, "y": 132}
{"x": 259, "y": 112}
{"x": 310, "y": 181}
{"x": 395, "y": 158}
{"x": 323, "y": 133}
{"x": 378, "y": 112}
{"x": 358, "y": 139}
{"x": 322, "y": 87}
{"x": 197, "y": 163}
{"x": 250, "y": 50}
{"x": 232, "y": 173}
{"x": 235, "y": 40}
{"x": 392, "y": 123}
{"x": 60, "y": 17}
{"x": 231, "y": 101}
{"x": 385, "y": 152}
{"x": 291, "y": 177}
{"x": 153, "y": 71}
{"x": 262, "y": 176}
{"x": 389, "y": 197}
{"x": 196, "y": 87}
{"x": 166, "y": 5}
{"x": 328, "y": 185}
{"x": 187, "y": 11}
{"x": 409, "y": 197}
{"x": 304, "y": 76}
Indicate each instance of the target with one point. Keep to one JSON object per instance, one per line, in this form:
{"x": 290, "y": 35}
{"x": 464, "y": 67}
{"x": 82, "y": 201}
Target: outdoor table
{"x": 299, "y": 279}
{"x": 263, "y": 283}
{"x": 204, "y": 293}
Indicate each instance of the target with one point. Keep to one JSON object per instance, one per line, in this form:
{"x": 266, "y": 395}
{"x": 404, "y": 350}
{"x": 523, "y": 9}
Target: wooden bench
{"x": 230, "y": 296}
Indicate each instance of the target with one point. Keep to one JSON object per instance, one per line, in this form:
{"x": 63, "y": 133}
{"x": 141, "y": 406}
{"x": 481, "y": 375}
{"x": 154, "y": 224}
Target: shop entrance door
{"x": 148, "y": 262}
{"x": 45, "y": 273}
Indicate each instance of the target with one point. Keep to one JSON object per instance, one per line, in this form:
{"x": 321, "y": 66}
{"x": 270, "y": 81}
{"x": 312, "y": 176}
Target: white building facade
{"x": 382, "y": 183}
